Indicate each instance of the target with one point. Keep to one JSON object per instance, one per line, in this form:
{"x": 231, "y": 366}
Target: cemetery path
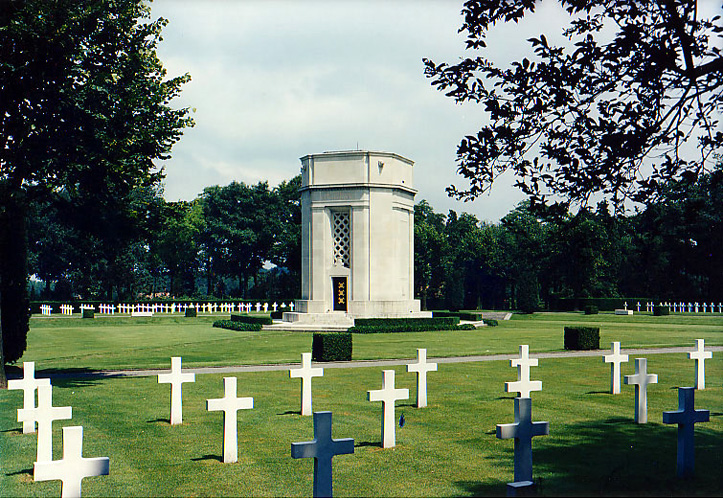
{"x": 70, "y": 374}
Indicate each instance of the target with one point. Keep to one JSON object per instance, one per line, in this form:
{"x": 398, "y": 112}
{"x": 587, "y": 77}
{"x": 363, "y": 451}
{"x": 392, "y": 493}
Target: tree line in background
{"x": 671, "y": 250}
{"x": 220, "y": 244}
{"x": 214, "y": 246}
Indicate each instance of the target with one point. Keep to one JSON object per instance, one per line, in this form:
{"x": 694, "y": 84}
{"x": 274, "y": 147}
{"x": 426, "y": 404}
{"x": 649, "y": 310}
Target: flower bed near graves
{"x": 237, "y": 325}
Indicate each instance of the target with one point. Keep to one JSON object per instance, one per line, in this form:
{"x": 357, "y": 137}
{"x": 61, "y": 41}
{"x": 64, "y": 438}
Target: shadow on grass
{"x": 290, "y": 412}
{"x": 617, "y": 457}
{"x": 481, "y": 489}
{"x": 66, "y": 378}
{"x": 366, "y": 444}
{"x": 17, "y": 430}
{"x": 159, "y": 421}
{"x": 20, "y": 472}
{"x": 217, "y": 458}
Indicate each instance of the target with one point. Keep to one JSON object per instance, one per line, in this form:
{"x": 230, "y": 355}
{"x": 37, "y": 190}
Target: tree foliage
{"x": 84, "y": 114}
{"x": 631, "y": 101}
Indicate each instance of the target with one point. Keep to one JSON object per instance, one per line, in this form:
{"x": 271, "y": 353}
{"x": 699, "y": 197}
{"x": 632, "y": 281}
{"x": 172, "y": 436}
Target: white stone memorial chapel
{"x": 357, "y": 238}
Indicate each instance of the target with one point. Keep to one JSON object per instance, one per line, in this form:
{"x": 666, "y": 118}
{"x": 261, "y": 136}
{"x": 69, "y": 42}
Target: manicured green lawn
{"x": 447, "y": 449}
{"x": 108, "y": 343}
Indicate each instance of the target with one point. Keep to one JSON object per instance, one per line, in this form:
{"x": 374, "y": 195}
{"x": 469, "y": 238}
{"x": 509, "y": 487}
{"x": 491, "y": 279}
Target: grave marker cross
{"x": 323, "y": 448}
{"x": 700, "y": 355}
{"x": 230, "y": 404}
{"x": 640, "y": 380}
{"x": 306, "y": 373}
{"x": 44, "y": 415}
{"x": 523, "y": 385}
{"x": 686, "y": 417}
{"x": 73, "y": 467}
{"x": 523, "y": 430}
{"x": 615, "y": 359}
{"x": 28, "y": 384}
{"x": 176, "y": 378}
{"x": 388, "y": 394}
{"x": 421, "y": 367}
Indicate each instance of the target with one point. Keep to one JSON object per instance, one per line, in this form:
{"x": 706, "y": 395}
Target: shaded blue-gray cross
{"x": 323, "y": 448}
{"x": 523, "y": 430}
{"x": 686, "y": 417}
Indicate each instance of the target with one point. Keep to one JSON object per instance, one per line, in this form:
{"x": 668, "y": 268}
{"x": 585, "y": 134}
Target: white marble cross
{"x": 615, "y": 359}
{"x": 323, "y": 448}
{"x": 176, "y": 378}
{"x": 305, "y": 373}
{"x": 523, "y": 430}
{"x": 73, "y": 467}
{"x": 686, "y": 417}
{"x": 230, "y": 404}
{"x": 640, "y": 380}
{"x": 388, "y": 394}
{"x": 523, "y": 385}
{"x": 700, "y": 355}
{"x": 28, "y": 384}
{"x": 44, "y": 415}
{"x": 421, "y": 367}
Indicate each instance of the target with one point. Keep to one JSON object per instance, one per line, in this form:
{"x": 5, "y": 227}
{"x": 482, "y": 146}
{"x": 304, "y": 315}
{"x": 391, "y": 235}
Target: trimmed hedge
{"x": 393, "y": 325}
{"x": 331, "y": 347}
{"x": 467, "y": 316}
{"x": 190, "y": 312}
{"x": 279, "y": 314}
{"x": 237, "y": 325}
{"x": 252, "y": 320}
{"x": 582, "y": 338}
{"x": 490, "y": 322}
{"x": 591, "y": 309}
{"x": 88, "y": 313}
{"x": 404, "y": 322}
{"x": 661, "y": 310}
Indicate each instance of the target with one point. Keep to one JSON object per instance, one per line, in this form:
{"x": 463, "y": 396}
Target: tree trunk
{"x": 3, "y": 376}
{"x": 15, "y": 307}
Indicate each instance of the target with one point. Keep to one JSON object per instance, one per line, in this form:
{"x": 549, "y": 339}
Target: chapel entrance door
{"x": 339, "y": 286}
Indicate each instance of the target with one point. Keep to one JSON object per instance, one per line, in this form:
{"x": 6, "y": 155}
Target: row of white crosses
{"x": 73, "y": 467}
{"x": 685, "y": 417}
{"x": 683, "y": 307}
{"x": 323, "y": 448}
{"x": 172, "y": 308}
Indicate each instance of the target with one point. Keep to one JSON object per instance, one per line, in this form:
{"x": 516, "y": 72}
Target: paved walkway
{"x": 369, "y": 363}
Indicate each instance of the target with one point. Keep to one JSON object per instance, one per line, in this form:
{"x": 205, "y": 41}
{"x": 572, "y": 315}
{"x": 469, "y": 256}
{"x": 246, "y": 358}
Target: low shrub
{"x": 252, "y": 320}
{"x": 447, "y": 321}
{"x": 88, "y": 313}
{"x": 190, "y": 312}
{"x": 582, "y": 338}
{"x": 331, "y": 347}
{"x": 237, "y": 325}
{"x": 466, "y": 316}
{"x": 591, "y": 309}
{"x": 490, "y": 322}
{"x": 661, "y": 310}
{"x": 398, "y": 328}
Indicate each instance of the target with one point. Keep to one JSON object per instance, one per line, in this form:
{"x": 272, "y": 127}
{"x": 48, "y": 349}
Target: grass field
{"x": 447, "y": 449}
{"x": 107, "y": 343}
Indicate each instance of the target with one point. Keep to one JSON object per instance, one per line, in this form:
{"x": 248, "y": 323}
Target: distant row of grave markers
{"x": 73, "y": 467}
{"x": 173, "y": 308}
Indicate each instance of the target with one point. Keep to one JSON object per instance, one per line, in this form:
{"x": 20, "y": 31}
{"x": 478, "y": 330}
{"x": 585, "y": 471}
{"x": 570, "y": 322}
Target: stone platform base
{"x": 329, "y": 322}
{"x": 521, "y": 489}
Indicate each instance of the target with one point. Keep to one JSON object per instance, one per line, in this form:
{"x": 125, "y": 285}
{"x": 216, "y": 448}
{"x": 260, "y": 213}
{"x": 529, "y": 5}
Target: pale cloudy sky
{"x": 275, "y": 80}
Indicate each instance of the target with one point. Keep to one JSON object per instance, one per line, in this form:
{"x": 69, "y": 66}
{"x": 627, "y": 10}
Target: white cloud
{"x": 275, "y": 80}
